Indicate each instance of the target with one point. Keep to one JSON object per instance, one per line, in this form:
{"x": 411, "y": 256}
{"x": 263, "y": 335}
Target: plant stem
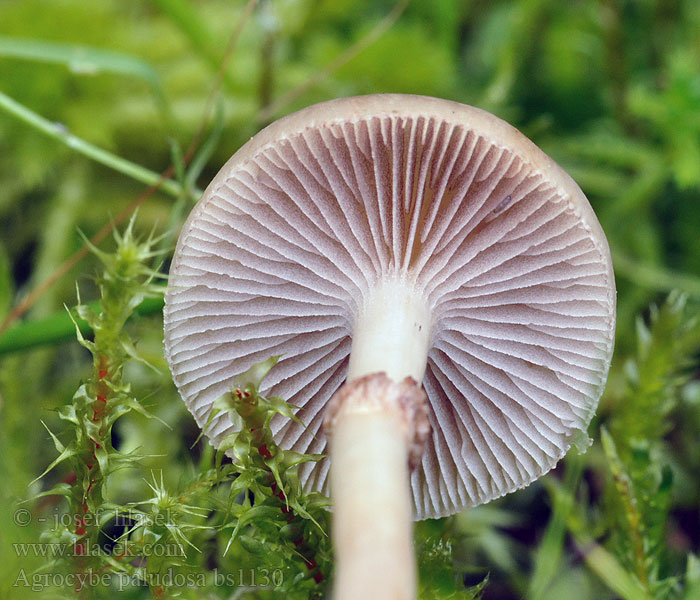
{"x": 336, "y": 63}
{"x": 261, "y": 439}
{"x": 59, "y": 327}
{"x": 59, "y": 132}
{"x": 267, "y": 53}
{"x": 655, "y": 277}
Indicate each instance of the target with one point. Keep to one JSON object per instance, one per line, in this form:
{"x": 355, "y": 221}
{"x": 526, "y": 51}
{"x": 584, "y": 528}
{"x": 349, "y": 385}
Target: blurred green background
{"x": 609, "y": 88}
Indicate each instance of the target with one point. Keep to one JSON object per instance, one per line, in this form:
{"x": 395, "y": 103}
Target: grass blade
{"x": 80, "y": 59}
{"x": 58, "y": 327}
{"x": 59, "y": 132}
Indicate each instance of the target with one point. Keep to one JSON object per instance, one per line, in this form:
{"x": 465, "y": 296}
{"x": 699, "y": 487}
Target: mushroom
{"x": 385, "y": 245}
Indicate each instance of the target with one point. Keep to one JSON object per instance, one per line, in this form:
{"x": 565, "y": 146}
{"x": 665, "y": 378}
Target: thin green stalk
{"x": 528, "y": 16}
{"x": 342, "y": 59}
{"x": 59, "y": 132}
{"x": 547, "y": 559}
{"x": 267, "y": 56}
{"x": 59, "y": 327}
{"x": 86, "y": 60}
{"x": 608, "y": 569}
{"x": 189, "y": 21}
{"x": 655, "y": 277}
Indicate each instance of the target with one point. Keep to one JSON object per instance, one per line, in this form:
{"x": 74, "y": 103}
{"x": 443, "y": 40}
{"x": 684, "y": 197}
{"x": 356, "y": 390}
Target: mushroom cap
{"x": 313, "y": 212}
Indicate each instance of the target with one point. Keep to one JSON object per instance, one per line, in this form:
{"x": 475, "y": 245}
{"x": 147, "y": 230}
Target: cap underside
{"x": 300, "y": 226}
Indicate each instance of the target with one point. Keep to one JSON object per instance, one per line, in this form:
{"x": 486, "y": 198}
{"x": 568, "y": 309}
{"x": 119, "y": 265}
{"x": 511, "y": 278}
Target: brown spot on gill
{"x": 414, "y": 195}
{"x": 362, "y": 160}
{"x": 431, "y": 195}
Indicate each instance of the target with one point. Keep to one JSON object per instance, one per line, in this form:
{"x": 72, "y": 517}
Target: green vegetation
{"x": 102, "y": 466}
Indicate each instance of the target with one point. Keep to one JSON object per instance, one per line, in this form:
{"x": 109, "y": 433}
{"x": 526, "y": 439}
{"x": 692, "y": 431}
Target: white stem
{"x": 372, "y": 510}
{"x": 378, "y": 424}
{"x": 377, "y": 429}
{"x": 392, "y": 333}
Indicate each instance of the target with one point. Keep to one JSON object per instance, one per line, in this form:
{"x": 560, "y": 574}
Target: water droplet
{"x": 502, "y": 205}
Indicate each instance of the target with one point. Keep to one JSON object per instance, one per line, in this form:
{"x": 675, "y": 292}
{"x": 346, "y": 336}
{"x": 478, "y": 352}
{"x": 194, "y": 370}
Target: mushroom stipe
{"x": 388, "y": 247}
